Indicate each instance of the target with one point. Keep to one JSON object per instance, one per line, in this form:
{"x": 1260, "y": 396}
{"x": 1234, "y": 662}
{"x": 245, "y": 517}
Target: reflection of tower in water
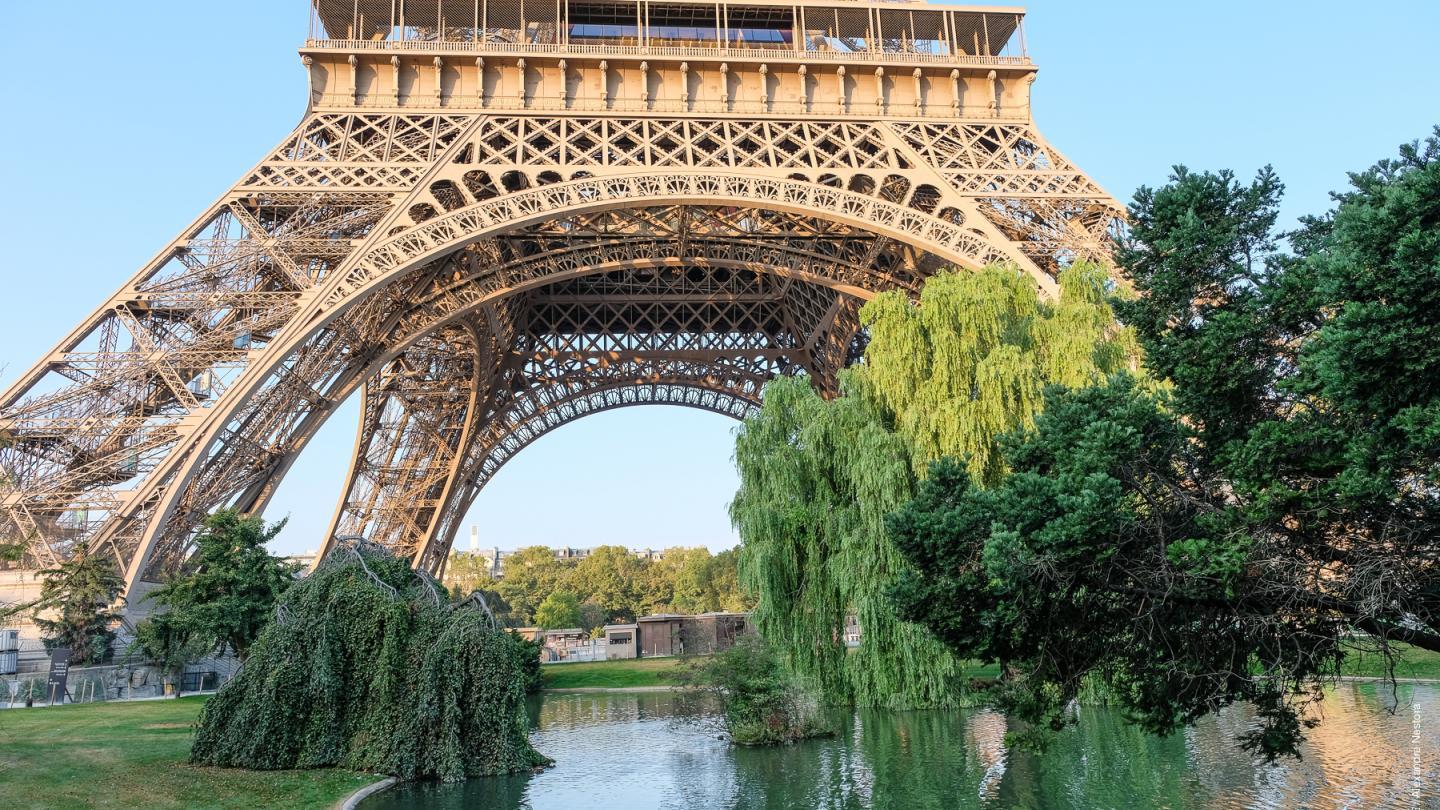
{"x": 1359, "y": 750}
{"x": 985, "y": 732}
{"x": 1360, "y": 755}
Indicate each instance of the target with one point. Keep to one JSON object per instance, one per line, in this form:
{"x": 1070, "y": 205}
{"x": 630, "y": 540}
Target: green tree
{"x": 761, "y": 703}
{"x": 226, "y": 592}
{"x": 658, "y": 589}
{"x": 725, "y": 579}
{"x": 560, "y": 610}
{"x": 164, "y": 642}
{"x": 818, "y": 477}
{"x": 593, "y": 618}
{"x": 693, "y": 576}
{"x": 79, "y": 606}
{"x": 613, "y": 578}
{"x": 1234, "y": 540}
{"x": 466, "y": 572}
{"x": 531, "y": 573}
{"x": 368, "y": 666}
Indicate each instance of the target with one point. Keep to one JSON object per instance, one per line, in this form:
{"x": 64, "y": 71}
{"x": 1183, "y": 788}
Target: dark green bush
{"x": 368, "y": 665}
{"x": 529, "y": 651}
{"x": 761, "y": 703}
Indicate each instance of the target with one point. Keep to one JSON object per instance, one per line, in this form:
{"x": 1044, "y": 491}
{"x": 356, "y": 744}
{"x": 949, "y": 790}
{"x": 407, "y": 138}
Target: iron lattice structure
{"x": 498, "y": 217}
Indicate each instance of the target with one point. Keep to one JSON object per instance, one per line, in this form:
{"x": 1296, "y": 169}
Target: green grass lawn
{"x": 134, "y": 755}
{"x": 1414, "y": 663}
{"x": 610, "y": 674}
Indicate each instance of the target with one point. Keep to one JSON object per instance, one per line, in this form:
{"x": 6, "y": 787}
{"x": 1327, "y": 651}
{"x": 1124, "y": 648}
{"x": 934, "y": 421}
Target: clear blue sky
{"x": 117, "y": 138}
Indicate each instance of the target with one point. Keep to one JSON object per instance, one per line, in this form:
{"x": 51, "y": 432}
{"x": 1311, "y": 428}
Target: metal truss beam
{"x": 481, "y": 276}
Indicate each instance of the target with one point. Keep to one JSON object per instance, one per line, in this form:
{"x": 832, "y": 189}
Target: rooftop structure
{"x": 909, "y": 58}
{"x": 889, "y": 31}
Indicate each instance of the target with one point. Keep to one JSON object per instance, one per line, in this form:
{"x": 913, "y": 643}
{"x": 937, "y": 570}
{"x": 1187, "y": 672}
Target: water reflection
{"x": 632, "y": 750}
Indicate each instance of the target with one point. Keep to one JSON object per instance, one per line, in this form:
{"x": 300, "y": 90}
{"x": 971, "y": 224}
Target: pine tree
{"x": 79, "y": 606}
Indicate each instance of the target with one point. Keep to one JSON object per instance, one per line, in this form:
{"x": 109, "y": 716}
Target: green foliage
{"x": 818, "y": 477}
{"x": 559, "y": 611}
{"x": 611, "y": 584}
{"x": 530, "y": 575}
{"x": 227, "y": 590}
{"x": 971, "y": 361}
{"x": 762, "y": 703}
{"x": 79, "y": 606}
{"x": 612, "y": 578}
{"x": 1063, "y": 571}
{"x": 1236, "y": 540}
{"x": 467, "y": 572}
{"x": 164, "y": 642}
{"x": 528, "y": 650}
{"x": 692, "y": 580}
{"x": 368, "y": 666}
{"x": 723, "y": 576}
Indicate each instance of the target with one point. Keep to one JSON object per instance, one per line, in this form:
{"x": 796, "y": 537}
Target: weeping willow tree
{"x": 368, "y": 665}
{"x": 818, "y": 477}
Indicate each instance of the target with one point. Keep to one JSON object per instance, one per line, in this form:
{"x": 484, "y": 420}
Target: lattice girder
{"x": 369, "y": 234}
{"x": 693, "y": 335}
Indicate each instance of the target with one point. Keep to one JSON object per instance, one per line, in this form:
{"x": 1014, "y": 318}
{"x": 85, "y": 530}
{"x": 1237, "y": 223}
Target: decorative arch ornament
{"x": 480, "y": 277}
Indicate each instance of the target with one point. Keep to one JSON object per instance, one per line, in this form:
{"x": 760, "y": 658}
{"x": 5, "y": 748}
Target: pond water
{"x": 638, "y": 750}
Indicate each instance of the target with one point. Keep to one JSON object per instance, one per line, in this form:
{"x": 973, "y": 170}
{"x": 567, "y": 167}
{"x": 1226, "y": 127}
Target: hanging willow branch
{"x": 367, "y": 669}
{"x": 817, "y": 477}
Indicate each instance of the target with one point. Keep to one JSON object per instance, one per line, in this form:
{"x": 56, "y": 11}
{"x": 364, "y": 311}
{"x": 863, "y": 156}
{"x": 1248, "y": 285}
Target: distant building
{"x": 565, "y": 644}
{"x": 712, "y": 632}
{"x": 679, "y": 634}
{"x": 305, "y": 560}
{"x": 660, "y": 635}
{"x": 494, "y": 561}
{"x": 621, "y": 641}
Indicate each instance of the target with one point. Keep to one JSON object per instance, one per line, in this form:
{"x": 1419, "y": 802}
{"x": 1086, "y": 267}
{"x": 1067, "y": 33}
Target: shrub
{"x": 368, "y": 666}
{"x": 761, "y": 702}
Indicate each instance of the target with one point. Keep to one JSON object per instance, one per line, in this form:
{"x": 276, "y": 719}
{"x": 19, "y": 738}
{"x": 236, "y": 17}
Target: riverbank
{"x": 1414, "y": 665}
{"x": 133, "y": 754}
{"x": 620, "y": 674}
{"x": 658, "y": 673}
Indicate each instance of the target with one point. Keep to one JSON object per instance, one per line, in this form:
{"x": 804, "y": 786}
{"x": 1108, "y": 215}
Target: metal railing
{"x": 684, "y": 52}
{"x": 550, "y": 104}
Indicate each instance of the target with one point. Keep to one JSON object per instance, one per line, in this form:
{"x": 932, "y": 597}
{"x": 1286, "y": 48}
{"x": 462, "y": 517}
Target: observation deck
{"x": 748, "y": 56}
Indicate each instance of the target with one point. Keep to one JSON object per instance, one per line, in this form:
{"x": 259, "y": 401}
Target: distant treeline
{"x": 609, "y": 585}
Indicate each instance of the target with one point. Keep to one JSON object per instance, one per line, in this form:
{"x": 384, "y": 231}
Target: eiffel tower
{"x": 497, "y": 217}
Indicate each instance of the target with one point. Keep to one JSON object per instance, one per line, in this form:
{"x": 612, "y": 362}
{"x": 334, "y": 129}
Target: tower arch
{"x": 480, "y": 266}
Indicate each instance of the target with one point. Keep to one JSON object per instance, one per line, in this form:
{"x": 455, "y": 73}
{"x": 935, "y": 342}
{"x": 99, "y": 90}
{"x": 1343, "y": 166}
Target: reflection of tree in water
{"x": 638, "y": 750}
{"x": 927, "y": 760}
{"x": 810, "y": 773}
{"x": 589, "y": 709}
{"x": 1101, "y": 762}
